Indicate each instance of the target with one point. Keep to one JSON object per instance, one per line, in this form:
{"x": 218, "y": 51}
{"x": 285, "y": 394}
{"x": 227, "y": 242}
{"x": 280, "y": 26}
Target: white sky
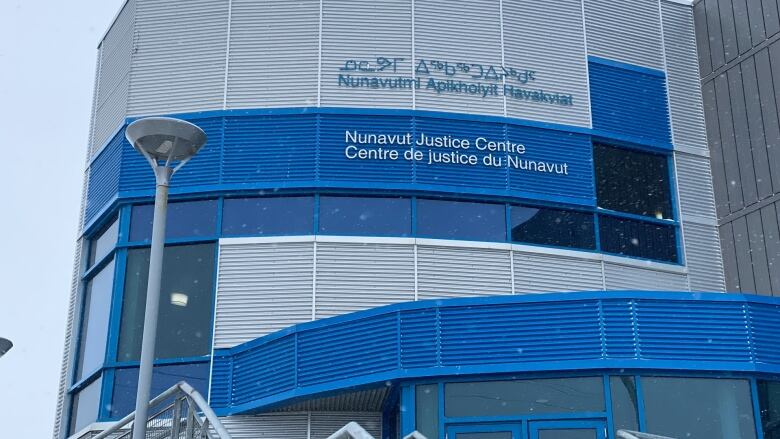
{"x": 47, "y": 63}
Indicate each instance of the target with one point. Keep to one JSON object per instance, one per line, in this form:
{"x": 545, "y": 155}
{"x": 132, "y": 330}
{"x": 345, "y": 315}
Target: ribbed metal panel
{"x": 344, "y": 27}
{"x": 682, "y": 71}
{"x": 462, "y": 272}
{"x": 703, "y": 257}
{"x": 324, "y": 424}
{"x": 765, "y": 323}
{"x": 628, "y": 32}
{"x": 353, "y": 277}
{"x": 262, "y": 288}
{"x": 623, "y": 277}
{"x": 91, "y": 147}
{"x": 221, "y": 378}
{"x": 268, "y": 426}
{"x": 104, "y": 178}
{"x": 178, "y": 56}
{"x": 365, "y": 400}
{"x": 418, "y": 329}
{"x": 536, "y": 273}
{"x": 619, "y": 328}
{"x": 272, "y": 370}
{"x": 554, "y": 48}
{"x": 694, "y": 184}
{"x": 469, "y": 32}
{"x": 266, "y": 39}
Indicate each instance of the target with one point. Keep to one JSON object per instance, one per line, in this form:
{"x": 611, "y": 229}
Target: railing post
{"x": 176, "y": 418}
{"x": 190, "y": 420}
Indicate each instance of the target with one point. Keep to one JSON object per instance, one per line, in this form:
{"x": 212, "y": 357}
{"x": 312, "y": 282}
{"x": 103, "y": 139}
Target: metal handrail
{"x": 193, "y": 397}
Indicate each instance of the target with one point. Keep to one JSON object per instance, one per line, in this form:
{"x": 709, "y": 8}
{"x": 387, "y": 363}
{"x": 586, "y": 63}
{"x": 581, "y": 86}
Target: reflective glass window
{"x": 638, "y": 238}
{"x": 769, "y": 402}
{"x": 85, "y": 406}
{"x": 553, "y": 227}
{"x": 183, "y": 328}
{"x": 632, "y": 181}
{"x": 624, "y": 403}
{"x": 461, "y": 220}
{"x": 93, "y": 333}
{"x": 186, "y": 219}
{"x": 102, "y": 244}
{"x": 163, "y": 377}
{"x": 268, "y": 216}
{"x": 483, "y": 435}
{"x": 507, "y": 398}
{"x": 427, "y": 410}
{"x": 698, "y": 408}
{"x": 375, "y": 216}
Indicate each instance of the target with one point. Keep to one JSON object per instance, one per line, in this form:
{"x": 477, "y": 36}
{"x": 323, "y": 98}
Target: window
{"x": 632, "y": 181}
{"x": 427, "y": 410}
{"x": 698, "y": 408}
{"x": 365, "y": 216}
{"x": 769, "y": 403}
{"x": 268, "y": 216}
{"x": 184, "y": 325}
{"x": 163, "y": 377}
{"x": 507, "y": 398}
{"x": 102, "y": 244}
{"x": 93, "y": 333}
{"x": 85, "y": 406}
{"x": 638, "y": 238}
{"x": 188, "y": 219}
{"x": 624, "y": 403}
{"x": 461, "y": 220}
{"x": 553, "y": 227}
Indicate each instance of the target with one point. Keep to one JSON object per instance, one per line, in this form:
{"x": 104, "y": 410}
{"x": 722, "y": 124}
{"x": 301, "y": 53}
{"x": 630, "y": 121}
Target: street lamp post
{"x": 167, "y": 144}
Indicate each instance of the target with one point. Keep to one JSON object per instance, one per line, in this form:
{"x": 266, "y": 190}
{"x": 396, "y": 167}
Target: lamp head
{"x": 165, "y": 138}
{"x": 5, "y": 345}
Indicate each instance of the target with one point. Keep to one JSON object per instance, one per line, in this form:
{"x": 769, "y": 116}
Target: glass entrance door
{"x": 567, "y": 430}
{"x": 484, "y": 431}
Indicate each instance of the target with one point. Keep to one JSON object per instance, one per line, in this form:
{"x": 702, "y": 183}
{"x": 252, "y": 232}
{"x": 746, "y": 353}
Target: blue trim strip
{"x": 626, "y": 66}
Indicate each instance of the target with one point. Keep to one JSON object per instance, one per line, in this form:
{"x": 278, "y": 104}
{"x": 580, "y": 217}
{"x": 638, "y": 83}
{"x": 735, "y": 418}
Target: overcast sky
{"x": 47, "y": 63}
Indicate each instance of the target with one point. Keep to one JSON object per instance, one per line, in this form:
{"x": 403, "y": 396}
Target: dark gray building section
{"x": 739, "y": 60}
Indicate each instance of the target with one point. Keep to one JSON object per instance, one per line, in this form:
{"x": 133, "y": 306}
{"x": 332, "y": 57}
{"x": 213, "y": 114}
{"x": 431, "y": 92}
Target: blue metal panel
{"x": 765, "y": 327}
{"x": 418, "y": 328}
{"x": 631, "y": 102}
{"x": 104, "y": 178}
{"x": 221, "y": 381}
{"x": 619, "y": 341}
{"x": 266, "y": 370}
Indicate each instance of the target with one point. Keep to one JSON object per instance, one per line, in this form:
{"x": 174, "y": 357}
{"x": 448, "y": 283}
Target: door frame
{"x": 600, "y": 425}
{"x": 516, "y": 428}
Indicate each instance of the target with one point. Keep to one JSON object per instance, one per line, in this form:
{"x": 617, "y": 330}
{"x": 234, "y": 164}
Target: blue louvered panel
{"x": 361, "y": 347}
{"x": 629, "y": 102}
{"x": 203, "y": 169}
{"x": 418, "y": 338}
{"x": 553, "y": 148}
{"x": 619, "y": 341}
{"x": 103, "y": 178}
{"x": 267, "y": 370}
{"x": 520, "y": 333}
{"x": 335, "y": 166}
{"x": 765, "y": 323}
{"x": 269, "y": 148}
{"x": 688, "y": 330}
{"x": 221, "y": 376}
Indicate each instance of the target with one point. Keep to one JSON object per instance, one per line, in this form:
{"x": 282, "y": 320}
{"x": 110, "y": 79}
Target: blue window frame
{"x": 101, "y": 245}
{"x": 631, "y": 237}
{"x": 461, "y": 220}
{"x": 372, "y": 216}
{"x": 93, "y": 334}
{"x": 186, "y": 219}
{"x": 263, "y": 216}
{"x": 85, "y": 405}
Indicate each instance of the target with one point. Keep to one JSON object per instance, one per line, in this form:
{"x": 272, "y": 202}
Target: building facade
{"x": 385, "y": 187}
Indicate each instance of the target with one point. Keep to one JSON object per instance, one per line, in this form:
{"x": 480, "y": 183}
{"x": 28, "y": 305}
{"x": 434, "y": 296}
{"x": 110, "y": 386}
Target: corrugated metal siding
{"x": 468, "y": 32}
{"x": 694, "y": 184}
{"x": 765, "y": 322}
{"x": 462, "y": 272}
{"x": 104, "y": 178}
{"x": 536, "y": 273}
{"x": 353, "y": 277}
{"x": 178, "y": 56}
{"x": 268, "y": 426}
{"x": 365, "y": 400}
{"x": 246, "y": 382}
{"x": 623, "y": 277}
{"x": 262, "y": 288}
{"x": 344, "y": 27}
{"x": 418, "y": 328}
{"x": 703, "y": 256}
{"x": 628, "y": 32}
{"x": 324, "y": 424}
{"x": 553, "y": 45}
{"x": 273, "y": 54}
{"x": 619, "y": 320}
{"x": 91, "y": 147}
{"x": 682, "y": 71}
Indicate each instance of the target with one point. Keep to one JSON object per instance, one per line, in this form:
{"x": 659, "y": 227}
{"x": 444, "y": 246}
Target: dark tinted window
{"x": 508, "y": 398}
{"x": 632, "y": 181}
{"x": 698, "y": 408}
{"x": 553, "y": 227}
{"x": 103, "y": 243}
{"x": 461, "y": 220}
{"x": 163, "y": 377}
{"x": 638, "y": 238}
{"x": 365, "y": 216}
{"x": 769, "y": 402}
{"x": 85, "y": 406}
{"x": 186, "y": 219}
{"x": 427, "y": 410}
{"x": 624, "y": 403}
{"x": 184, "y": 326}
{"x": 268, "y": 216}
{"x": 94, "y": 321}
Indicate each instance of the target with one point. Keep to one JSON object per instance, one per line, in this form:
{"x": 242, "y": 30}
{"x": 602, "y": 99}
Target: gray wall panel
{"x": 773, "y": 131}
{"x": 623, "y": 277}
{"x": 767, "y": 89}
{"x": 268, "y": 426}
{"x": 555, "y": 50}
{"x": 344, "y": 26}
{"x": 771, "y": 19}
{"x": 742, "y": 24}
{"x": 702, "y": 249}
{"x": 536, "y": 273}
{"x": 324, "y": 424}
{"x": 694, "y": 184}
{"x": 715, "y": 35}
{"x": 273, "y": 58}
{"x": 770, "y": 217}
{"x": 629, "y": 37}
{"x": 702, "y": 38}
{"x": 728, "y": 145}
{"x": 758, "y": 257}
{"x": 742, "y": 251}
{"x": 742, "y": 137}
{"x": 756, "y": 18}
{"x": 729, "y": 252}
{"x": 462, "y": 272}
{"x": 756, "y": 128}
{"x": 716, "y": 152}
{"x": 730, "y": 47}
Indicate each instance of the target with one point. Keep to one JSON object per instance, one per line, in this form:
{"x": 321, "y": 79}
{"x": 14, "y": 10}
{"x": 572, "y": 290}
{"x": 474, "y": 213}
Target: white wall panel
{"x": 354, "y": 276}
{"x": 268, "y": 426}
{"x": 273, "y": 53}
{"x": 458, "y": 32}
{"x": 628, "y": 31}
{"x": 462, "y": 272}
{"x": 623, "y": 277}
{"x": 324, "y": 424}
{"x": 704, "y": 260}
{"x": 536, "y": 273}
{"x": 178, "y": 56}
{"x": 357, "y": 30}
{"x": 261, "y": 288}
{"x": 694, "y": 184}
{"x": 552, "y": 44}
